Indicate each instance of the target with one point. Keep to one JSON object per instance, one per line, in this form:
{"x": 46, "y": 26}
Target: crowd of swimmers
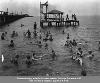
{"x": 78, "y": 55}
{"x": 72, "y": 43}
{"x": 28, "y": 34}
{"x": 3, "y": 35}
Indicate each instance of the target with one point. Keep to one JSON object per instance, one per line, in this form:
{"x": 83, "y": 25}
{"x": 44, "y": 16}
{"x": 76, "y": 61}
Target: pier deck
{"x": 6, "y": 18}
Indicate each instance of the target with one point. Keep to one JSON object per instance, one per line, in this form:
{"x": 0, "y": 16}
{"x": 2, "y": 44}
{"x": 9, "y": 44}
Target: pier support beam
{"x": 61, "y": 23}
{"x": 78, "y": 23}
{"x": 41, "y": 24}
{"x": 49, "y": 24}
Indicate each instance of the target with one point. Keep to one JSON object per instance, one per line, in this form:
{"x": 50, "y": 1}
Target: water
{"x": 89, "y": 30}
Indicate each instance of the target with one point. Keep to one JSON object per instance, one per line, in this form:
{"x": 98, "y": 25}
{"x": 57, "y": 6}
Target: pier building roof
{"x": 55, "y": 12}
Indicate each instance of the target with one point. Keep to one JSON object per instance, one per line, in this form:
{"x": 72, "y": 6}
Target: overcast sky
{"x": 80, "y": 7}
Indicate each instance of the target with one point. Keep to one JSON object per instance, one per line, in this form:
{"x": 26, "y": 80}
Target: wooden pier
{"x": 54, "y": 17}
{"x": 6, "y": 18}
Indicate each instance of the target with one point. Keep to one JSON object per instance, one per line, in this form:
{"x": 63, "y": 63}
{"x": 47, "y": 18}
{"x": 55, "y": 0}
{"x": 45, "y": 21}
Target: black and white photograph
{"x": 49, "y": 38}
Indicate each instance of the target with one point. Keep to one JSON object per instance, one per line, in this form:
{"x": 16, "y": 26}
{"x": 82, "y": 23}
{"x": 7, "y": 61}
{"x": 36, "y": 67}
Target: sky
{"x": 32, "y": 7}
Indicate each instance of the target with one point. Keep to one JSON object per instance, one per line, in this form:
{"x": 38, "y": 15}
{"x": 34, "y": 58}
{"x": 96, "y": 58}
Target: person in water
{"x": 35, "y": 34}
{"x": 74, "y": 43}
{"x": 53, "y": 55}
{"x": 46, "y": 46}
{"x": 91, "y": 55}
{"x": 29, "y": 33}
{"x": 35, "y": 26}
{"x": 15, "y": 60}
{"x": 11, "y": 43}
{"x": 28, "y": 61}
{"x": 51, "y": 39}
{"x": 80, "y": 52}
{"x": 83, "y": 73}
{"x": 63, "y": 32}
{"x": 67, "y": 36}
{"x": 13, "y": 34}
{"x": 39, "y": 44}
{"x": 3, "y": 36}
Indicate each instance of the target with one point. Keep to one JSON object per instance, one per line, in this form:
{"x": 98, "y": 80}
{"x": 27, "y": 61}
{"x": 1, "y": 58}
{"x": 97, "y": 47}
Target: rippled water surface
{"x": 88, "y": 31}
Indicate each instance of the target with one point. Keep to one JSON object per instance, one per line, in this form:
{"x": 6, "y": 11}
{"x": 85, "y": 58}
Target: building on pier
{"x": 54, "y": 17}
